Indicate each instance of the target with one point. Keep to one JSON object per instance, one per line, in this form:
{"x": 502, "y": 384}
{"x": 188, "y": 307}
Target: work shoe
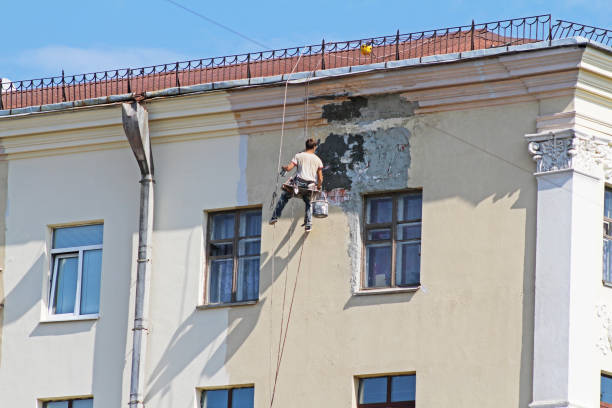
{"x": 273, "y": 221}
{"x": 308, "y": 228}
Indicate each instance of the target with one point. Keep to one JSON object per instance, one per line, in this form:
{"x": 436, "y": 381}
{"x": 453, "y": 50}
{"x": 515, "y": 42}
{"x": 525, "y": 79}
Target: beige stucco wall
{"x": 467, "y": 332}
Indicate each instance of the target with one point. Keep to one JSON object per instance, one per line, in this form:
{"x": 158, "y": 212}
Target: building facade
{"x": 460, "y": 265}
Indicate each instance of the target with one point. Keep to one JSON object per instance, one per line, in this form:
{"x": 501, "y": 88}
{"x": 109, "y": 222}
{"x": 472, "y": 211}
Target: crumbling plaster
{"x": 365, "y": 148}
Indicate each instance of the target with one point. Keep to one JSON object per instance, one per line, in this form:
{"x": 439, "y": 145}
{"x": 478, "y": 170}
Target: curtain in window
{"x": 250, "y": 223}
{"x": 221, "y": 271}
{"x": 408, "y": 263}
{"x": 223, "y": 226}
{"x": 378, "y": 265}
{"x": 409, "y": 207}
{"x": 379, "y": 210}
{"x": 247, "y": 285}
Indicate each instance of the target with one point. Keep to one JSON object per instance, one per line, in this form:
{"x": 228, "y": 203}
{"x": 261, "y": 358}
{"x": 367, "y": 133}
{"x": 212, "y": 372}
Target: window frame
{"x": 70, "y": 252}
{"x": 45, "y": 403}
{"x": 235, "y": 257}
{"x": 393, "y": 194}
{"x": 388, "y": 403}
{"x": 230, "y": 393}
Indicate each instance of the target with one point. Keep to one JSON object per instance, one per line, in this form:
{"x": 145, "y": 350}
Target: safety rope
{"x": 280, "y": 333}
{"x": 280, "y": 146}
{"x": 285, "y": 331}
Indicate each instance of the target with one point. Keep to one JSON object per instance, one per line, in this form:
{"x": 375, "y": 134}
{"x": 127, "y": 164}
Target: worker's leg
{"x": 282, "y": 202}
{"x": 307, "y": 211}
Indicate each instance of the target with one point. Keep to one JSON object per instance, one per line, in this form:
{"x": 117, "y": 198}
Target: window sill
{"x": 607, "y": 284}
{"x": 222, "y": 305}
{"x": 386, "y": 291}
{"x": 55, "y": 319}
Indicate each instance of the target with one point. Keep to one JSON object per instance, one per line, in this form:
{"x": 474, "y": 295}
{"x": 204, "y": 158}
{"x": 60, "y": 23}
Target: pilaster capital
{"x": 568, "y": 149}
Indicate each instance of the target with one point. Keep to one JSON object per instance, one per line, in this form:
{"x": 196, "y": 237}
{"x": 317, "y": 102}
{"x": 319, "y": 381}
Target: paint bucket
{"x": 320, "y": 206}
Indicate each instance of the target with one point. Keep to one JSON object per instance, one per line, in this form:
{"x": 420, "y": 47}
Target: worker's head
{"x": 311, "y": 144}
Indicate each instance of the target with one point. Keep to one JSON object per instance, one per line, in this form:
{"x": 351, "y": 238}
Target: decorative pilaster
{"x": 570, "y": 170}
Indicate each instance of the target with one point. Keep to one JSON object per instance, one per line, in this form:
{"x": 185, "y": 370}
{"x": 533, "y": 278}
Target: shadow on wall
{"x": 113, "y": 333}
{"x": 26, "y": 294}
{"x": 196, "y": 332}
{"x": 62, "y": 328}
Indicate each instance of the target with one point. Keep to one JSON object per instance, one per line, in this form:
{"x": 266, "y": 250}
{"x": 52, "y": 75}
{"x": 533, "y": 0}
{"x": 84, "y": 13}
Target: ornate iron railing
{"x": 66, "y": 88}
{"x": 567, "y": 29}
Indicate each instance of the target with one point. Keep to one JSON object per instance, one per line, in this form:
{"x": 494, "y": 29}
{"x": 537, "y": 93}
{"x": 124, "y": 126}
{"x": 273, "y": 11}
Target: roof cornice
{"x": 491, "y": 78}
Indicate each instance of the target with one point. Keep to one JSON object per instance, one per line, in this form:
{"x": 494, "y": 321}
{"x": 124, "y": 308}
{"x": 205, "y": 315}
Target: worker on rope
{"x": 309, "y": 174}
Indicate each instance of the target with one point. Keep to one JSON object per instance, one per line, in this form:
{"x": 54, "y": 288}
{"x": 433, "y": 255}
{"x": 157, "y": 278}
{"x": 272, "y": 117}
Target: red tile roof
{"x": 86, "y": 86}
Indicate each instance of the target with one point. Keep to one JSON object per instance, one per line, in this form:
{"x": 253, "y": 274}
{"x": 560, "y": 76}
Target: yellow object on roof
{"x": 366, "y": 49}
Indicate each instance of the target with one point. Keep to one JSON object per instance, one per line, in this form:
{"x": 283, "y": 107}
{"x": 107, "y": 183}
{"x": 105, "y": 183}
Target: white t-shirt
{"x": 307, "y": 165}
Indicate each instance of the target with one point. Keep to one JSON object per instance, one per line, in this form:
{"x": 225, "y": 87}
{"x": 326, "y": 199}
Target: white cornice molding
{"x": 568, "y": 149}
{"x": 582, "y": 122}
{"x": 462, "y": 84}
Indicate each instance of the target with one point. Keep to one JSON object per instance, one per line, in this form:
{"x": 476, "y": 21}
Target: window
{"x": 233, "y": 256}
{"x": 392, "y": 240}
{"x": 73, "y": 403}
{"x": 75, "y": 271}
{"x": 607, "y": 237}
{"x": 242, "y": 397}
{"x": 397, "y": 391}
{"x": 606, "y": 391}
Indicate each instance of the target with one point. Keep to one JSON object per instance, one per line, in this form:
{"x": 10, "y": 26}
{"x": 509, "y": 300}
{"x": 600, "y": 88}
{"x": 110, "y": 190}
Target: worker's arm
{"x": 319, "y": 178}
{"x": 289, "y": 167}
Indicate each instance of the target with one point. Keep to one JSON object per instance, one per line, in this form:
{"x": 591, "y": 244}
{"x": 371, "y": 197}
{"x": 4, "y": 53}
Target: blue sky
{"x": 40, "y": 38}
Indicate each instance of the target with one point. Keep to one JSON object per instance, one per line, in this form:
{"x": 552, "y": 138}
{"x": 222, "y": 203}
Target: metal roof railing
{"x": 326, "y": 55}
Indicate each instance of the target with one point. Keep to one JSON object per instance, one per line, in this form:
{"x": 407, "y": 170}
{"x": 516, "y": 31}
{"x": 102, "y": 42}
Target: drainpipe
{"x": 136, "y": 127}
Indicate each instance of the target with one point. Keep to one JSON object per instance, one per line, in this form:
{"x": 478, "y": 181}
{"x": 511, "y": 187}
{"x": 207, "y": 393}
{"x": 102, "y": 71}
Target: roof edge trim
{"x": 301, "y": 77}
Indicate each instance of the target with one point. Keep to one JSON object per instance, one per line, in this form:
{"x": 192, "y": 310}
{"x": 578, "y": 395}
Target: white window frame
{"x": 60, "y": 253}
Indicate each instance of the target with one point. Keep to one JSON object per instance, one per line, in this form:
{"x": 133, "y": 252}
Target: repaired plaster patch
{"x": 367, "y": 150}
